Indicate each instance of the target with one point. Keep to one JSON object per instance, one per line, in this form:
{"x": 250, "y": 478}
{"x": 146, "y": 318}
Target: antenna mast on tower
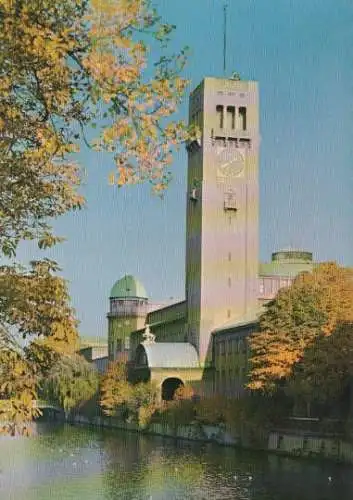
{"x": 225, "y": 6}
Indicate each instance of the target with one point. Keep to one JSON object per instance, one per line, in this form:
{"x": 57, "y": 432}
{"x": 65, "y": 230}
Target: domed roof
{"x": 128, "y": 287}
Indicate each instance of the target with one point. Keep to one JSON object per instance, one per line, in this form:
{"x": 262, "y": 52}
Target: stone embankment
{"x": 286, "y": 443}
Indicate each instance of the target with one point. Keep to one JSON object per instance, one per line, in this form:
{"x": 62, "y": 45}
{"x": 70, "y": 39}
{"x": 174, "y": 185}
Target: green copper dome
{"x": 128, "y": 287}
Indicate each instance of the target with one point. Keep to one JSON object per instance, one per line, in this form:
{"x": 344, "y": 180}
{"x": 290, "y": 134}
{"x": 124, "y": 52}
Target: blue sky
{"x": 300, "y": 52}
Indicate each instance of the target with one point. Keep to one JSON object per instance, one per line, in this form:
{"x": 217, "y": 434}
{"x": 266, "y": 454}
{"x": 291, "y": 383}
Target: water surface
{"x": 80, "y": 463}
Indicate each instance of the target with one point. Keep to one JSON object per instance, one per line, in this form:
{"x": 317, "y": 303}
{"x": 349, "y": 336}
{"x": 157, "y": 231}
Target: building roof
{"x": 171, "y": 355}
{"x": 167, "y": 314}
{"x": 250, "y": 318}
{"x": 287, "y": 263}
{"x": 128, "y": 287}
{"x": 85, "y": 342}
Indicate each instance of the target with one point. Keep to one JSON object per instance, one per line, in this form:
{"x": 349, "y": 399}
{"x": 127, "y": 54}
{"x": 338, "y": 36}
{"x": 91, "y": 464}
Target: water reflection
{"x": 66, "y": 462}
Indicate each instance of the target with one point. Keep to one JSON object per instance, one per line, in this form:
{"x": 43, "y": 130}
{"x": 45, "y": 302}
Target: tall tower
{"x": 128, "y": 309}
{"x": 222, "y": 207}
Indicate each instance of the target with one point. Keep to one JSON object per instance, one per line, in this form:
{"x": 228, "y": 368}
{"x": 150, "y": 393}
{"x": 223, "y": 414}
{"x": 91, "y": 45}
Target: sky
{"x": 300, "y": 52}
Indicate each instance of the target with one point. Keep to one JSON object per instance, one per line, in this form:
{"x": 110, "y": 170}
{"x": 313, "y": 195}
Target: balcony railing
{"x": 128, "y": 308}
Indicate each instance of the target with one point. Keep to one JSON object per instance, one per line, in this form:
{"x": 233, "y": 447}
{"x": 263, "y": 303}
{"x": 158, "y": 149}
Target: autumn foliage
{"x": 66, "y": 66}
{"x": 129, "y": 402}
{"x": 303, "y": 333}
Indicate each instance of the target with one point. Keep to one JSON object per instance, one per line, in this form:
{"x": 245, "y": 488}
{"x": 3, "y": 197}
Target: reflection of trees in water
{"x": 303, "y": 479}
{"x": 124, "y": 465}
{"x": 124, "y": 457}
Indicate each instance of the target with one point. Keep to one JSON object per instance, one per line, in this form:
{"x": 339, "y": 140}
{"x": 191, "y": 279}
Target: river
{"x": 79, "y": 463}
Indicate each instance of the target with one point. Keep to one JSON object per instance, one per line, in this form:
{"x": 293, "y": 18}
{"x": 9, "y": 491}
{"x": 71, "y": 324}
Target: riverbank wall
{"x": 289, "y": 443}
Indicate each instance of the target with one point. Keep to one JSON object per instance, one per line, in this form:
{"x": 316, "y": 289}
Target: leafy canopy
{"x": 70, "y": 382}
{"x": 313, "y": 306}
{"x": 64, "y": 66}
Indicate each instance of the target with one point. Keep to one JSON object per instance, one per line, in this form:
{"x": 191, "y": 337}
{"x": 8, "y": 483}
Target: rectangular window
{"x": 229, "y": 282}
{"x": 240, "y": 345}
{"x": 228, "y": 313}
{"x": 231, "y": 117}
{"x": 220, "y": 115}
{"x": 229, "y": 257}
{"x": 242, "y": 118}
{"x": 127, "y": 343}
{"x": 262, "y": 287}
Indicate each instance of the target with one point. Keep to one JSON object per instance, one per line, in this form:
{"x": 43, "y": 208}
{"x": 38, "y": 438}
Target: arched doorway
{"x": 169, "y": 386}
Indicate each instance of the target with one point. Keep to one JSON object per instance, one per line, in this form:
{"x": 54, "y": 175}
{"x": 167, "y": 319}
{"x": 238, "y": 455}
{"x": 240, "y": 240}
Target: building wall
{"x": 119, "y": 331}
{"x": 231, "y": 353}
{"x": 222, "y": 222}
{"x": 167, "y": 314}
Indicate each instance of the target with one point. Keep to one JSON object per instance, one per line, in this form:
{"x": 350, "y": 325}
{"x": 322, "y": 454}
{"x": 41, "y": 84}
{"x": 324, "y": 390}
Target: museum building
{"x": 202, "y": 340}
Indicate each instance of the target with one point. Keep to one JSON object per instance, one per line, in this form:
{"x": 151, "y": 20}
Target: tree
{"x": 33, "y": 304}
{"x": 36, "y": 303}
{"x": 18, "y": 379}
{"x": 70, "y": 382}
{"x": 114, "y": 389}
{"x": 62, "y": 63}
{"x": 324, "y": 373}
{"x": 63, "y": 66}
{"x": 312, "y": 307}
{"x": 119, "y": 398}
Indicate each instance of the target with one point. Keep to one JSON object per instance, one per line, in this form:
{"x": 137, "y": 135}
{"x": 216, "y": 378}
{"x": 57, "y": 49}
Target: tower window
{"x": 242, "y": 117}
{"x": 229, "y": 256}
{"x": 220, "y": 115}
{"x": 233, "y": 142}
{"x": 220, "y": 141}
{"x": 228, "y": 313}
{"x": 244, "y": 143}
{"x": 231, "y": 117}
{"x": 229, "y": 282}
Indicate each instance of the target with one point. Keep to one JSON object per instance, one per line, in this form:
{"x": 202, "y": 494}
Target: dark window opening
{"x": 220, "y": 141}
{"x": 220, "y": 115}
{"x": 242, "y": 116}
{"x": 279, "y": 442}
{"x": 245, "y": 143}
{"x": 231, "y": 117}
{"x": 233, "y": 142}
{"x": 229, "y": 282}
{"x": 229, "y": 256}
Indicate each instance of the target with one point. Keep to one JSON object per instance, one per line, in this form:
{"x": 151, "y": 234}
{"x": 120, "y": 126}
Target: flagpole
{"x": 225, "y": 37}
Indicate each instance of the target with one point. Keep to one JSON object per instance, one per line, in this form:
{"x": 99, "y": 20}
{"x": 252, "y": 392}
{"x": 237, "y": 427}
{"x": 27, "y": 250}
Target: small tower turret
{"x": 127, "y": 313}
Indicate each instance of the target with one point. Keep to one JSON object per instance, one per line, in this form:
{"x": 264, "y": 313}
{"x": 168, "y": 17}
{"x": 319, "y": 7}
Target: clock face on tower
{"x": 231, "y": 162}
